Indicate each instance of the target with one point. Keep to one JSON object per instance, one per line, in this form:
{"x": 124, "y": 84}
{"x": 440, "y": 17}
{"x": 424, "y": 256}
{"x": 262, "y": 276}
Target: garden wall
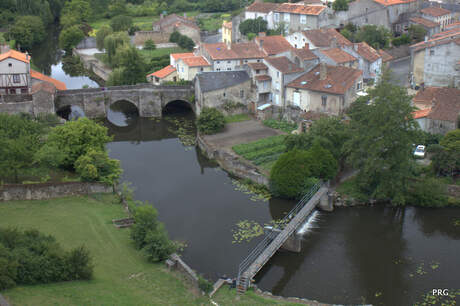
{"x": 43, "y": 191}
{"x": 190, "y": 275}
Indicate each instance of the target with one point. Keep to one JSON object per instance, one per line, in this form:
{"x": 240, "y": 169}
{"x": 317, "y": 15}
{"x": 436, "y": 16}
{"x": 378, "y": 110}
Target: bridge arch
{"x": 178, "y": 106}
{"x": 122, "y": 112}
{"x": 70, "y": 112}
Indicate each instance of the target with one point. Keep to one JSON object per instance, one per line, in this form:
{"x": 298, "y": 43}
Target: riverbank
{"x": 93, "y": 65}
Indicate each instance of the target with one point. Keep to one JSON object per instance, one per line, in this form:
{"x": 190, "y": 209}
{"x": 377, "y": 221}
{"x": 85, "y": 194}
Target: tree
{"x": 253, "y": 26}
{"x": 117, "y": 7}
{"x": 116, "y": 77}
{"x": 376, "y": 36}
{"x": 446, "y": 156}
{"x": 210, "y": 121}
{"x": 112, "y": 42}
{"x": 186, "y": 42}
{"x": 101, "y": 34}
{"x": 97, "y": 166}
{"x": 416, "y": 32}
{"x": 174, "y": 37}
{"x": 76, "y": 138}
{"x": 19, "y": 140}
{"x": 70, "y": 37}
{"x": 340, "y": 5}
{"x": 324, "y": 165}
{"x": 149, "y": 45}
{"x": 28, "y": 31}
{"x": 380, "y": 146}
{"x": 129, "y": 59}
{"x": 121, "y": 23}
{"x": 75, "y": 12}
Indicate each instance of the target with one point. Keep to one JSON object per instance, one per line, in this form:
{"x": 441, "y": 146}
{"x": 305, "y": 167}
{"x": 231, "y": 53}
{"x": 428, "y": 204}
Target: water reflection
{"x": 71, "y": 112}
{"x": 123, "y": 113}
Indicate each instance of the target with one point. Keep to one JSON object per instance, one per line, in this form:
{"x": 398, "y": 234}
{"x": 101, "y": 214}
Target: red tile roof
{"x": 386, "y": 57}
{"x": 177, "y": 56}
{"x": 220, "y": 51}
{"x": 367, "y": 52}
{"x": 435, "y": 11}
{"x": 283, "y": 64}
{"x": 262, "y": 78}
{"x": 227, "y": 24}
{"x": 16, "y": 55}
{"x": 443, "y": 103}
{"x": 195, "y": 61}
{"x": 339, "y": 56}
{"x": 273, "y": 45}
{"x": 338, "y": 80}
{"x": 296, "y": 8}
{"x": 453, "y": 25}
{"x": 248, "y": 50}
{"x": 262, "y": 7}
{"x": 324, "y": 37}
{"x": 39, "y": 76}
{"x": 305, "y": 54}
{"x": 421, "y": 113}
{"x": 162, "y": 73}
{"x": 175, "y": 20}
{"x": 424, "y": 22}
{"x": 442, "y": 38}
{"x": 258, "y": 66}
{"x": 393, "y": 2}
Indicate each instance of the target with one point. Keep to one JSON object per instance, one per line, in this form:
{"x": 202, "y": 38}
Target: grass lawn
{"x": 148, "y": 54}
{"x": 144, "y": 22}
{"x": 237, "y": 118}
{"x": 121, "y": 275}
{"x": 225, "y": 296}
{"x": 213, "y": 22}
{"x": 263, "y": 152}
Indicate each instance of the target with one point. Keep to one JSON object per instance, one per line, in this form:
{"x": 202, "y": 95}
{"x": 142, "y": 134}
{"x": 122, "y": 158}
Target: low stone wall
{"x": 190, "y": 275}
{"x": 17, "y": 107}
{"x": 158, "y": 37}
{"x": 232, "y": 163}
{"x": 50, "y": 190}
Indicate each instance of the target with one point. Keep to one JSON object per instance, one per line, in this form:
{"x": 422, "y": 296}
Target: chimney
{"x": 322, "y": 71}
{"x": 334, "y": 42}
{"x": 307, "y": 46}
{"x": 262, "y": 34}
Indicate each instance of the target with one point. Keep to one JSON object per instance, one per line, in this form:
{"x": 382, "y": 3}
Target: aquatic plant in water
{"x": 256, "y": 192}
{"x": 184, "y": 129}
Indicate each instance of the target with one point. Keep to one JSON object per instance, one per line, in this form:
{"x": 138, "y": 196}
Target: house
{"x": 299, "y": 16}
{"x": 305, "y": 58}
{"x": 218, "y": 89}
{"x": 227, "y": 32}
{"x": 261, "y": 81}
{"x": 439, "y": 109}
{"x": 325, "y": 89}
{"x": 431, "y": 27}
{"x": 16, "y": 76}
{"x": 439, "y": 15}
{"x": 223, "y": 57}
{"x": 275, "y": 45}
{"x": 185, "y": 26}
{"x": 434, "y": 62}
{"x": 318, "y": 39}
{"x": 369, "y": 60}
{"x": 188, "y": 65}
{"x": 386, "y": 57}
{"x": 174, "y": 57}
{"x": 281, "y": 71}
{"x": 261, "y": 9}
{"x": 337, "y": 57}
{"x": 167, "y": 74}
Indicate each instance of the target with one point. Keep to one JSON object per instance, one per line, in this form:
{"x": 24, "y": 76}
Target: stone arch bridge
{"x": 149, "y": 99}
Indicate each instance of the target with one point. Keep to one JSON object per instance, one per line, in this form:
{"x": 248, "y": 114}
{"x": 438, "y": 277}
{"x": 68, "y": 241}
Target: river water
{"x": 379, "y": 255}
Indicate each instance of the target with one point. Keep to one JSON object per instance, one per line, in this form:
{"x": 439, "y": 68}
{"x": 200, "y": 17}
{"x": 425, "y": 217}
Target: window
{"x": 218, "y": 69}
{"x": 277, "y": 17}
{"x": 24, "y": 91}
{"x": 10, "y": 65}
{"x": 223, "y": 94}
{"x": 277, "y": 85}
{"x": 432, "y": 52}
{"x": 182, "y": 69}
{"x": 245, "y": 61}
{"x": 277, "y": 99}
{"x": 359, "y": 85}
{"x": 258, "y": 60}
{"x": 218, "y": 62}
{"x": 277, "y": 74}
{"x": 201, "y": 69}
{"x": 257, "y": 71}
{"x": 323, "y": 101}
{"x": 157, "y": 79}
{"x": 241, "y": 93}
{"x": 303, "y": 19}
{"x": 228, "y": 62}
{"x": 16, "y": 78}
{"x": 296, "y": 98}
{"x": 295, "y": 37}
{"x": 229, "y": 68}
{"x": 287, "y": 17}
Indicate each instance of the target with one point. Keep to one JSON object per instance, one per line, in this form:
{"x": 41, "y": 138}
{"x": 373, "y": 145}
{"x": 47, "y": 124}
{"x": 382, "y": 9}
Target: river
{"x": 379, "y": 255}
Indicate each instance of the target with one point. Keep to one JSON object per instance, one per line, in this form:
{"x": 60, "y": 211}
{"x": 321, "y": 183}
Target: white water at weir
{"x": 309, "y": 223}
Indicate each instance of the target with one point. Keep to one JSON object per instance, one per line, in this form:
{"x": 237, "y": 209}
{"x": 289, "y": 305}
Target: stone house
{"x": 325, "y": 89}
{"x": 298, "y": 16}
{"x": 188, "y": 67}
{"x": 261, "y": 81}
{"x": 431, "y": 27}
{"x": 227, "y": 32}
{"x": 222, "y": 90}
{"x": 435, "y": 62}
{"x": 167, "y": 74}
{"x": 369, "y": 60}
{"x": 305, "y": 58}
{"x": 263, "y": 10}
{"x": 228, "y": 57}
{"x": 439, "y": 15}
{"x": 336, "y": 57}
{"x": 438, "y": 109}
{"x": 318, "y": 39}
{"x": 281, "y": 71}
{"x": 185, "y": 26}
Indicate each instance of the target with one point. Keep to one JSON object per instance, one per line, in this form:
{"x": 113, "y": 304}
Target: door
{"x": 296, "y": 98}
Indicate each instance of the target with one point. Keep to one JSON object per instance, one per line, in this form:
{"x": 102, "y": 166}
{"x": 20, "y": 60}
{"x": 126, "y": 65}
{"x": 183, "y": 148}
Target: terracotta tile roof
{"x": 258, "y": 66}
{"x": 43, "y": 86}
{"x": 339, "y": 56}
{"x": 323, "y": 37}
{"x": 305, "y": 54}
{"x": 296, "y": 8}
{"x": 338, "y": 80}
{"x": 367, "y": 52}
{"x": 16, "y": 55}
{"x": 248, "y": 50}
{"x": 425, "y": 95}
{"x": 219, "y": 51}
{"x": 425, "y": 22}
{"x": 421, "y": 113}
{"x": 227, "y": 24}
{"x": 393, "y": 2}
{"x": 262, "y": 7}
{"x": 453, "y": 25}
{"x": 163, "y": 72}
{"x": 177, "y": 56}
{"x": 195, "y": 61}
{"x": 386, "y": 57}
{"x": 442, "y": 103}
{"x": 262, "y": 78}
{"x": 175, "y": 20}
{"x": 283, "y": 64}
{"x": 273, "y": 45}
{"x": 37, "y": 75}
{"x": 442, "y": 38}
{"x": 435, "y": 11}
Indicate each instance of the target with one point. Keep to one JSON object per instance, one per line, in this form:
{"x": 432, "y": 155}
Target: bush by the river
{"x": 210, "y": 121}
{"x": 149, "y": 235}
{"x": 30, "y": 257}
{"x": 205, "y": 285}
{"x": 98, "y": 166}
{"x": 427, "y": 192}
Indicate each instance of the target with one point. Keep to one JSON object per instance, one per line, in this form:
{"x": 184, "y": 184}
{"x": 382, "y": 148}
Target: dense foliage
{"x": 150, "y": 235}
{"x": 446, "y": 156}
{"x": 210, "y": 121}
{"x": 96, "y": 165}
{"x": 283, "y": 125}
{"x": 149, "y": 45}
{"x": 183, "y": 41}
{"x": 101, "y": 34}
{"x": 253, "y": 26}
{"x": 340, "y": 5}
{"x": 121, "y": 23}
{"x": 70, "y": 37}
{"x": 27, "y": 31}
{"x": 29, "y": 257}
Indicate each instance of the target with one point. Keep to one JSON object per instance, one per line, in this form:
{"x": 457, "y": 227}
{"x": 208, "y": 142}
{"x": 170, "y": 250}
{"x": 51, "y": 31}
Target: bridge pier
{"x": 326, "y": 203}
{"x": 292, "y": 244}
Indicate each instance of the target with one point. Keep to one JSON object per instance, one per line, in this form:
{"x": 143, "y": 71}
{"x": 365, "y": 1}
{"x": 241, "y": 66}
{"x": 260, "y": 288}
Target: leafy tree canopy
{"x": 340, "y": 5}
{"x": 28, "y": 31}
{"x": 121, "y": 23}
{"x": 70, "y": 37}
{"x": 210, "y": 121}
{"x": 253, "y": 26}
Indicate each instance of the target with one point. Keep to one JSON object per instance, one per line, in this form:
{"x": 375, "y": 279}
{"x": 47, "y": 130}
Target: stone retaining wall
{"x": 50, "y": 190}
{"x": 232, "y": 163}
{"x": 190, "y": 275}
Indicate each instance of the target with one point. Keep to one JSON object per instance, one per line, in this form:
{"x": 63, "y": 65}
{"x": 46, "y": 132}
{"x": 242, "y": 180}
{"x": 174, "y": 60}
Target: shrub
{"x": 205, "y": 285}
{"x": 289, "y": 177}
{"x": 324, "y": 164}
{"x": 70, "y": 37}
{"x": 427, "y": 193}
{"x": 174, "y": 37}
{"x": 280, "y": 125}
{"x": 210, "y": 121}
{"x": 97, "y": 166}
{"x": 149, "y": 45}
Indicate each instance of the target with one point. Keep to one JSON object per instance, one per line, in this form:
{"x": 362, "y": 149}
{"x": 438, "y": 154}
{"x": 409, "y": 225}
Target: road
{"x": 400, "y": 72}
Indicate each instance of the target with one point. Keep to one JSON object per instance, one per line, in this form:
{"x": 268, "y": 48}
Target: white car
{"x": 419, "y": 151}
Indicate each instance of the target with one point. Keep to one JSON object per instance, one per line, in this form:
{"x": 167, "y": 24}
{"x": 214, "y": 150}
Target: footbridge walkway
{"x": 277, "y": 238}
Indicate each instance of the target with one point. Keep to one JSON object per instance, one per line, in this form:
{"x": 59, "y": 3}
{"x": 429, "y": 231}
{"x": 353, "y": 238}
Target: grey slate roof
{"x": 210, "y": 81}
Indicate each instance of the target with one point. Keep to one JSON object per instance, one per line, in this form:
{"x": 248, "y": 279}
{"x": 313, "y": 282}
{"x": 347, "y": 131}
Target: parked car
{"x": 420, "y": 151}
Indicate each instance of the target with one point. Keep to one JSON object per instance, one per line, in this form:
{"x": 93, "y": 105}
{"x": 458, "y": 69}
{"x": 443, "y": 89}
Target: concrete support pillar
{"x": 292, "y": 244}
{"x": 325, "y": 203}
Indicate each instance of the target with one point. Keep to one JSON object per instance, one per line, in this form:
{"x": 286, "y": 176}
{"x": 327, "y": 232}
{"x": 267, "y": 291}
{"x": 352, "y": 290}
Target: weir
{"x": 276, "y": 239}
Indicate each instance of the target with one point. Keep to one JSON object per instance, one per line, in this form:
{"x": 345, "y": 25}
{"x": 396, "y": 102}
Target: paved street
{"x": 400, "y": 70}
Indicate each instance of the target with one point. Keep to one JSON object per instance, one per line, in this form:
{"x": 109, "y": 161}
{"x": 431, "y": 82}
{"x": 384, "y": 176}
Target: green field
{"x": 144, "y": 22}
{"x": 148, "y": 54}
{"x": 122, "y": 276}
{"x": 263, "y": 152}
{"x": 282, "y": 125}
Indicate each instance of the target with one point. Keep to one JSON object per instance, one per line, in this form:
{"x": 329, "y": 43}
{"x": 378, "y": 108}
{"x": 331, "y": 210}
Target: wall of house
{"x": 218, "y": 98}
{"x": 364, "y": 12}
{"x": 297, "y": 40}
{"x": 440, "y": 126}
{"x": 439, "y": 68}
{"x": 423, "y": 123}
{"x": 417, "y": 66}
{"x": 17, "y": 67}
{"x": 294, "y": 24}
